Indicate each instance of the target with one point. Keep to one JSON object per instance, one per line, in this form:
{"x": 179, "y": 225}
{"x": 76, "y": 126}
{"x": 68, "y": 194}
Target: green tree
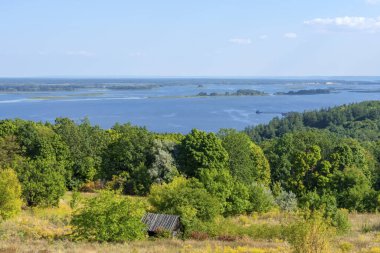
{"x": 43, "y": 181}
{"x": 8, "y": 127}
{"x": 10, "y": 150}
{"x": 86, "y": 143}
{"x": 10, "y": 197}
{"x": 109, "y": 217}
{"x": 298, "y": 161}
{"x": 247, "y": 161}
{"x": 238, "y": 201}
{"x": 200, "y": 150}
{"x": 218, "y": 183}
{"x": 129, "y": 154}
{"x": 163, "y": 167}
{"x": 43, "y": 165}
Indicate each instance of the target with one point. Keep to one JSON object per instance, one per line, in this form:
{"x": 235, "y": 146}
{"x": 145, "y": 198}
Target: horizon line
{"x": 185, "y": 77}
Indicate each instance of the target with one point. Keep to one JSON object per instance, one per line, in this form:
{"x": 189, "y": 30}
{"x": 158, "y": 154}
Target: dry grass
{"x": 47, "y": 229}
{"x": 159, "y": 246}
{"x": 364, "y": 235}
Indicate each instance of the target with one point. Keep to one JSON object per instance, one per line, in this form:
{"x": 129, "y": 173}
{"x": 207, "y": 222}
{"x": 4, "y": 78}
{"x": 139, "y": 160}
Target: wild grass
{"x": 48, "y": 230}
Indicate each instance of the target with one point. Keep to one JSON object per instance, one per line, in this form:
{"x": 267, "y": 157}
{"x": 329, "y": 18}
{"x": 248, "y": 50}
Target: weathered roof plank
{"x": 161, "y": 221}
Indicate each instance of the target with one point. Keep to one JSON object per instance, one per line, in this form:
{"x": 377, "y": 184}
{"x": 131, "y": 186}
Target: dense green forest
{"x": 320, "y": 160}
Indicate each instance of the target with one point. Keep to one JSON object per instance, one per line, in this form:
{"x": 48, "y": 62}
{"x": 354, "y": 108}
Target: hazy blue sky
{"x": 189, "y": 38}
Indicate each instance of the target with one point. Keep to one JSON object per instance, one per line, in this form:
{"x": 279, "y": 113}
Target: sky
{"x": 234, "y": 38}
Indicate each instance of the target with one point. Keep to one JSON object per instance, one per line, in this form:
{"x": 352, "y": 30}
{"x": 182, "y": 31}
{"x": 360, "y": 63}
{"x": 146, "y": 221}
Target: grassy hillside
{"x": 48, "y": 230}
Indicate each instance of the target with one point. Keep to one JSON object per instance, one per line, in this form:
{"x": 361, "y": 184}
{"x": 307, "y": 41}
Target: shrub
{"x": 287, "y": 201}
{"x": 238, "y": 201}
{"x": 261, "y": 198}
{"x": 162, "y": 233}
{"x": 326, "y": 204}
{"x": 314, "y": 202}
{"x": 75, "y": 199}
{"x": 10, "y": 194}
{"x": 187, "y": 198}
{"x": 311, "y": 234}
{"x": 341, "y": 222}
{"x": 109, "y": 217}
{"x": 199, "y": 236}
{"x": 92, "y": 186}
{"x": 345, "y": 247}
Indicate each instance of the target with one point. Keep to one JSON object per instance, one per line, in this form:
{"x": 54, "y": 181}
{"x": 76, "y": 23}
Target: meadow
{"x": 48, "y": 230}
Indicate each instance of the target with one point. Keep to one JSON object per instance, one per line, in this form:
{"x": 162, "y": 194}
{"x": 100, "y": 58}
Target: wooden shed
{"x": 156, "y": 222}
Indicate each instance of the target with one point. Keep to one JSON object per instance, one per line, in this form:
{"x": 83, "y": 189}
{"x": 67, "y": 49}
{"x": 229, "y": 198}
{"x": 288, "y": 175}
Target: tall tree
{"x": 200, "y": 150}
{"x": 247, "y": 161}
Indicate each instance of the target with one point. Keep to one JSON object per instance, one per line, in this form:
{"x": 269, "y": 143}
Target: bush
{"x": 199, "y": 236}
{"x": 187, "y": 198}
{"x": 238, "y": 201}
{"x": 75, "y": 199}
{"x": 261, "y": 198}
{"x": 341, "y": 222}
{"x": 109, "y": 217}
{"x": 287, "y": 201}
{"x": 326, "y": 204}
{"x": 314, "y": 202}
{"x": 92, "y": 186}
{"x": 10, "y": 194}
{"x": 311, "y": 234}
{"x": 162, "y": 233}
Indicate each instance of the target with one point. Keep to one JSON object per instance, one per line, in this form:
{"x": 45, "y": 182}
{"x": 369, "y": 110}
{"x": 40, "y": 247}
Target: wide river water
{"x": 173, "y": 107}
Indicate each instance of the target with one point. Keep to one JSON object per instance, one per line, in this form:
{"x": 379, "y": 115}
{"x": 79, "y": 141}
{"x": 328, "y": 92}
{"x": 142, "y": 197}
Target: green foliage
{"x": 311, "y": 234}
{"x": 109, "y": 217}
{"x": 361, "y": 121}
{"x": 43, "y": 182}
{"x": 286, "y": 201}
{"x": 262, "y": 171}
{"x": 86, "y": 144}
{"x": 75, "y": 199}
{"x": 312, "y": 162}
{"x": 238, "y": 200}
{"x": 341, "y": 221}
{"x": 232, "y": 228}
{"x": 10, "y": 197}
{"x": 40, "y": 141}
{"x": 218, "y": 183}
{"x": 261, "y": 198}
{"x": 42, "y": 164}
{"x": 315, "y": 161}
{"x": 131, "y": 153}
{"x": 187, "y": 198}
{"x": 10, "y": 150}
{"x": 200, "y": 150}
{"x": 163, "y": 167}
{"x": 247, "y": 161}
{"x": 325, "y": 203}
{"x": 295, "y": 156}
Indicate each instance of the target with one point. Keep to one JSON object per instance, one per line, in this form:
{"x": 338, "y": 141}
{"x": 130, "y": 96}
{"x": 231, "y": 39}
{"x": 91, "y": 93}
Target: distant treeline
{"x": 70, "y": 87}
{"x": 241, "y": 92}
{"x": 361, "y": 121}
{"x": 69, "y": 84}
{"x": 305, "y": 92}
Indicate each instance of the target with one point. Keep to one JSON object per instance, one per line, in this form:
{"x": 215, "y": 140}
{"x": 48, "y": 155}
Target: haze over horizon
{"x": 214, "y": 38}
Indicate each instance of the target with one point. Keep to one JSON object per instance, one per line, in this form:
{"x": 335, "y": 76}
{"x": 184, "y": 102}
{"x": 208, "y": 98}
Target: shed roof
{"x": 164, "y": 221}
